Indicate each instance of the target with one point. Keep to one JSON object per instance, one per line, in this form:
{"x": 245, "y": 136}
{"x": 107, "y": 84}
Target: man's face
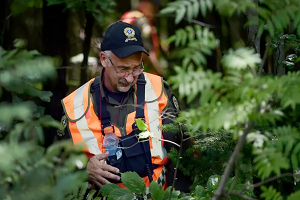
{"x": 118, "y": 72}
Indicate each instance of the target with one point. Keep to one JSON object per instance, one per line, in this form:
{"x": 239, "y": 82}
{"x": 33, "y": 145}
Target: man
{"x": 112, "y": 102}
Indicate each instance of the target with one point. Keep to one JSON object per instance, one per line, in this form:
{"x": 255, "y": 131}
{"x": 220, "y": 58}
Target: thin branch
{"x": 177, "y": 164}
{"x": 252, "y": 71}
{"x": 192, "y": 21}
{"x": 4, "y": 27}
{"x": 200, "y": 23}
{"x": 220, "y": 191}
{"x": 261, "y": 67}
{"x": 241, "y": 195}
{"x": 271, "y": 179}
{"x": 168, "y": 141}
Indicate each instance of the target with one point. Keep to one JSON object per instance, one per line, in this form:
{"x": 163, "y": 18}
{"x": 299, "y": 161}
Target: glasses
{"x": 125, "y": 73}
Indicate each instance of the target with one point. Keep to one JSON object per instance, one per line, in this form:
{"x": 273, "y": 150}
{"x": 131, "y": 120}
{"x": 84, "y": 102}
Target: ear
{"x": 103, "y": 59}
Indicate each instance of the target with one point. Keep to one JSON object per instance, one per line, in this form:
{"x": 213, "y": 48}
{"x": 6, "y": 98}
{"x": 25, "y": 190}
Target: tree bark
{"x": 253, "y": 40}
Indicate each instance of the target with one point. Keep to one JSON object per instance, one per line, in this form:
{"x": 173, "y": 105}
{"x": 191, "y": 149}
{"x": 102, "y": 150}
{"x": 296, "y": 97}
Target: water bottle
{"x": 111, "y": 142}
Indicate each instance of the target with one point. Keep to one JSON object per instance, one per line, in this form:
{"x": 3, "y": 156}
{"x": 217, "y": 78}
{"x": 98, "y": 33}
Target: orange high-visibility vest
{"x": 85, "y": 127}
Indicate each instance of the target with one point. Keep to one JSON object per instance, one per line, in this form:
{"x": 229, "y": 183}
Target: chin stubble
{"x": 122, "y": 88}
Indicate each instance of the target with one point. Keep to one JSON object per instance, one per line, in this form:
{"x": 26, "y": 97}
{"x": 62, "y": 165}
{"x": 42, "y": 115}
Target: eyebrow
{"x": 124, "y": 66}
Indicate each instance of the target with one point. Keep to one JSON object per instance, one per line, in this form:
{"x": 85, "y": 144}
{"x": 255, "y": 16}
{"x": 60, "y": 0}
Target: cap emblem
{"x": 129, "y": 32}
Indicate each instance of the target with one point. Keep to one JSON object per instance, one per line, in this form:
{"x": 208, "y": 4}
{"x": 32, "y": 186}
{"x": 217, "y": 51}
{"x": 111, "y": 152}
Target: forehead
{"x": 134, "y": 59}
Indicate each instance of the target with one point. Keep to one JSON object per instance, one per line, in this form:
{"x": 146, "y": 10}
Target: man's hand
{"x": 99, "y": 171}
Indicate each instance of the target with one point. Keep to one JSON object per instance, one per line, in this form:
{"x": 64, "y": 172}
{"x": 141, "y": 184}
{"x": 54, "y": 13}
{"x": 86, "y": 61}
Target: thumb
{"x": 101, "y": 156}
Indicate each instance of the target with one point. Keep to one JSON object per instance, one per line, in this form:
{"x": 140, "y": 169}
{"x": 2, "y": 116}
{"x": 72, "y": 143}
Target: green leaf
{"x": 156, "y": 191}
{"x": 294, "y": 196}
{"x": 90, "y": 195}
{"x": 187, "y": 198}
{"x": 190, "y": 12}
{"x": 203, "y": 8}
{"x": 179, "y": 14}
{"x": 107, "y": 188}
{"x": 141, "y": 125}
{"x": 120, "y": 194}
{"x": 174, "y": 195}
{"x": 196, "y": 8}
{"x": 168, "y": 10}
{"x": 144, "y": 135}
{"x": 200, "y": 191}
{"x": 295, "y": 162}
{"x": 241, "y": 58}
{"x": 213, "y": 182}
{"x": 133, "y": 182}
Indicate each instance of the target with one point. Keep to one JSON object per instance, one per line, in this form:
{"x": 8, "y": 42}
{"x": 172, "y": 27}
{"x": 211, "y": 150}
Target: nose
{"x": 129, "y": 78}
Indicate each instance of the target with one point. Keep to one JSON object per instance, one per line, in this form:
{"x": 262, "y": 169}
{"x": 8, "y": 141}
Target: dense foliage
{"x": 27, "y": 169}
{"x": 243, "y": 122}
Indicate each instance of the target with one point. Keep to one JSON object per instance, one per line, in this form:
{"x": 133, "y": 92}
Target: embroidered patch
{"x": 129, "y": 32}
{"x": 64, "y": 121}
{"x": 175, "y": 103}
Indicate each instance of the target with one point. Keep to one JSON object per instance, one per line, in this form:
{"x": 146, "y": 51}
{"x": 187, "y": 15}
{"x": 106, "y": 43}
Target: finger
{"x": 109, "y": 175}
{"x": 98, "y": 184}
{"x": 102, "y": 180}
{"x": 101, "y": 156}
{"x": 110, "y": 168}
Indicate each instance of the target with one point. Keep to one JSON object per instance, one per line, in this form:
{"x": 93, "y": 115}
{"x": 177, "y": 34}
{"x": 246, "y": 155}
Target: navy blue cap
{"x": 123, "y": 40}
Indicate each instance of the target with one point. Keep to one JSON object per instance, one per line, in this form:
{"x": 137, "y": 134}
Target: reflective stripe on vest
{"x": 154, "y": 120}
{"x": 87, "y": 135}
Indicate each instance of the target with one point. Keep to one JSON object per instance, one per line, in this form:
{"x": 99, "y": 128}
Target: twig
{"x": 169, "y": 141}
{"x": 192, "y": 21}
{"x": 261, "y": 67}
{"x": 220, "y": 191}
{"x": 4, "y": 27}
{"x": 239, "y": 195}
{"x": 252, "y": 71}
{"x": 271, "y": 179}
{"x": 177, "y": 164}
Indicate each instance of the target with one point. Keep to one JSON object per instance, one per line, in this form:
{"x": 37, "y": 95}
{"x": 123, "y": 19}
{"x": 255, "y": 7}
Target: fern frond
{"x": 279, "y": 15}
{"x": 188, "y": 8}
{"x": 270, "y": 193}
{"x": 195, "y": 43}
{"x": 294, "y": 196}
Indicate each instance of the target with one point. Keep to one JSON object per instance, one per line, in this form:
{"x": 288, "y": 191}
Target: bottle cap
{"x": 108, "y": 129}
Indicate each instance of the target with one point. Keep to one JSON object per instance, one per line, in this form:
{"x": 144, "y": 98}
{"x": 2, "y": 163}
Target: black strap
{"x": 103, "y": 114}
{"x": 141, "y": 82}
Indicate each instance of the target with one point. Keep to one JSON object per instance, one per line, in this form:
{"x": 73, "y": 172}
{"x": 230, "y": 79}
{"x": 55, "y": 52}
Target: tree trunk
{"x": 55, "y": 44}
{"x": 88, "y": 30}
{"x": 253, "y": 40}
